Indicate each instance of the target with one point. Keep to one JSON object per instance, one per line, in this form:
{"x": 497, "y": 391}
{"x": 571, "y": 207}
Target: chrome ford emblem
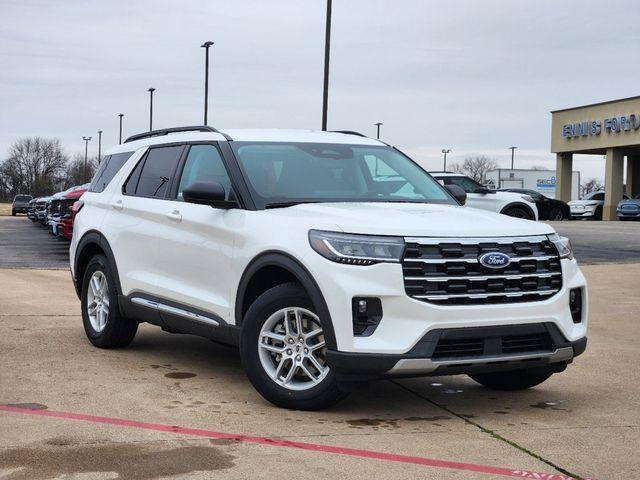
{"x": 495, "y": 260}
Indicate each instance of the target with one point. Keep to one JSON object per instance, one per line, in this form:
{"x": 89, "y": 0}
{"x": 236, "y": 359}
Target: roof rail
{"x": 167, "y": 131}
{"x": 349, "y": 132}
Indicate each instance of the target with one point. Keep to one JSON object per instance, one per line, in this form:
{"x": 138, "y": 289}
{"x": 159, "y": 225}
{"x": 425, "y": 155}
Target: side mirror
{"x": 458, "y": 193}
{"x": 207, "y": 193}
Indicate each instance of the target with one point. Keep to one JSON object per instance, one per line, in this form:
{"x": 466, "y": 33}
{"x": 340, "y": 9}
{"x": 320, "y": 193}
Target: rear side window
{"x": 110, "y": 166}
{"x": 152, "y": 175}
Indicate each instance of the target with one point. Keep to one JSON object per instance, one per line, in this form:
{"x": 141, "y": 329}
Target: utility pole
{"x": 151, "y": 90}
{"x": 513, "y": 149}
{"x": 120, "y": 115}
{"x": 327, "y": 45}
{"x": 378, "y": 127}
{"x": 99, "y": 146}
{"x": 445, "y": 151}
{"x": 86, "y": 151}
{"x": 206, "y": 46}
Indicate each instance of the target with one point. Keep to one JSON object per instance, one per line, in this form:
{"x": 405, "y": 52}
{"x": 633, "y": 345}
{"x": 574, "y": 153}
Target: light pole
{"x": 99, "y": 146}
{"x": 206, "y": 46}
{"x": 513, "y": 149}
{"x": 445, "y": 151}
{"x": 377, "y": 124}
{"x": 151, "y": 90}
{"x": 327, "y": 44}
{"x": 120, "y": 115}
{"x": 86, "y": 150}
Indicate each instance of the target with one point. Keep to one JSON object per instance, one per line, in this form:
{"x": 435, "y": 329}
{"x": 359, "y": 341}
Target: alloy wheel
{"x": 98, "y": 301}
{"x": 292, "y": 349}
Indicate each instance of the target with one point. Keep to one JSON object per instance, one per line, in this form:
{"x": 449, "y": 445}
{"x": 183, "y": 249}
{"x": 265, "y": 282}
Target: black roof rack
{"x": 349, "y": 132}
{"x": 167, "y": 131}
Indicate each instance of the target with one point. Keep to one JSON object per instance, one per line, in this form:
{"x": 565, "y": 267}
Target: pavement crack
{"x": 490, "y": 432}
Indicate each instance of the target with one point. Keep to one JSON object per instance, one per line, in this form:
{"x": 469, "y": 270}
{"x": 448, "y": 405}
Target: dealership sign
{"x": 595, "y": 127}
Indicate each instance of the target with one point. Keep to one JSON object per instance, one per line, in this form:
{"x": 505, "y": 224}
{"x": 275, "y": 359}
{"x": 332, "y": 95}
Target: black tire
{"x": 319, "y": 397}
{"x": 13, "y": 213}
{"x": 556, "y": 214}
{"x": 512, "y": 380}
{"x": 518, "y": 212}
{"x": 118, "y": 331}
{"x": 598, "y": 213}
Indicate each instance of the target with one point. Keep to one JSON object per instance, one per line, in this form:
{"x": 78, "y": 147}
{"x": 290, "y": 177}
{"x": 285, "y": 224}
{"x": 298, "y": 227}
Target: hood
{"x": 585, "y": 202}
{"x": 407, "y": 219}
{"x": 630, "y": 201}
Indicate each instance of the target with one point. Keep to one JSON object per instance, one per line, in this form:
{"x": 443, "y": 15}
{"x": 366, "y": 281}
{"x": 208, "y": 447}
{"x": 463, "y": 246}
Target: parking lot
{"x": 179, "y": 406}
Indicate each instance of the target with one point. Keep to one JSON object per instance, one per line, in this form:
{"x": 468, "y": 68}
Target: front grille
{"x": 448, "y": 348}
{"x": 448, "y": 272}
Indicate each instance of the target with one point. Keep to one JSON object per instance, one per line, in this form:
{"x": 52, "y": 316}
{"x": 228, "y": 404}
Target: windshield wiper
{"x": 290, "y": 203}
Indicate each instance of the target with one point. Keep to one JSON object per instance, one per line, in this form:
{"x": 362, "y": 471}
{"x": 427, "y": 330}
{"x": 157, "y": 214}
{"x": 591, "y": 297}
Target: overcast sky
{"x": 473, "y": 76}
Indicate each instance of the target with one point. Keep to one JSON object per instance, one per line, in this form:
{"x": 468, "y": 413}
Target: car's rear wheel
{"x": 13, "y": 213}
{"x": 283, "y": 351}
{"x": 513, "y": 380}
{"x": 518, "y": 212}
{"x": 104, "y": 325}
{"x": 556, "y": 214}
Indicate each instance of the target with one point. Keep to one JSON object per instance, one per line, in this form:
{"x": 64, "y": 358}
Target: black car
{"x": 548, "y": 208}
{"x": 20, "y": 204}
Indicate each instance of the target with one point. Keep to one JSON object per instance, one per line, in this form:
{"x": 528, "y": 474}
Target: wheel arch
{"x": 286, "y": 269}
{"x": 524, "y": 206}
{"x": 93, "y": 243}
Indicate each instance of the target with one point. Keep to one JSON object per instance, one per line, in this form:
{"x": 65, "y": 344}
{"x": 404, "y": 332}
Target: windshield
{"x": 22, "y": 198}
{"x": 289, "y": 173}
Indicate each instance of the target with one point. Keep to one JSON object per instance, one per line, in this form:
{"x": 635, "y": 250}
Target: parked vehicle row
{"x": 592, "y": 204}
{"x": 329, "y": 258}
{"x": 58, "y": 211}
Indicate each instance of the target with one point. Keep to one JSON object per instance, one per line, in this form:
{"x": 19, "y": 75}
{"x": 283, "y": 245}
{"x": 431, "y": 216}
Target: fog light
{"x": 362, "y": 306}
{"x": 367, "y": 313}
{"x": 575, "y": 304}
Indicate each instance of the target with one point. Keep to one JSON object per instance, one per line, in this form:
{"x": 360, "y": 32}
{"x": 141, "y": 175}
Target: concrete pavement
{"x": 583, "y": 421}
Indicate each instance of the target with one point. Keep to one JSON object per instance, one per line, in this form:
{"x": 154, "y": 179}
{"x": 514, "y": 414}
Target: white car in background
{"x": 590, "y": 206}
{"x": 512, "y": 204}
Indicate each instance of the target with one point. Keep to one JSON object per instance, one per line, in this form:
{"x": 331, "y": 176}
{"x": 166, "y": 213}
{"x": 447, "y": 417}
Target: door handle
{"x": 117, "y": 205}
{"x": 175, "y": 215}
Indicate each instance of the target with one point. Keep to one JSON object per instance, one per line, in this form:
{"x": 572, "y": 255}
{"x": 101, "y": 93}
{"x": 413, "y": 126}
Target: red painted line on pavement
{"x": 352, "y": 452}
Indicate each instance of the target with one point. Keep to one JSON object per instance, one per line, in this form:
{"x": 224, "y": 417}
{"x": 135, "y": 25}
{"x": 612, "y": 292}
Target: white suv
{"x": 513, "y": 204}
{"x": 329, "y": 258}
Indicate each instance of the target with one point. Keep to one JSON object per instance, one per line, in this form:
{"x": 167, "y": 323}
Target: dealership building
{"x": 609, "y": 128}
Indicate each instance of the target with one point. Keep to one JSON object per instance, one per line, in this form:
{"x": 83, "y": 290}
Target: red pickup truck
{"x": 68, "y": 208}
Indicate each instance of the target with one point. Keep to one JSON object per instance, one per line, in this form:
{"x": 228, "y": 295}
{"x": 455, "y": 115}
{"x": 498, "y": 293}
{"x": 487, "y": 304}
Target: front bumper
{"x": 587, "y": 212}
{"x": 425, "y": 359}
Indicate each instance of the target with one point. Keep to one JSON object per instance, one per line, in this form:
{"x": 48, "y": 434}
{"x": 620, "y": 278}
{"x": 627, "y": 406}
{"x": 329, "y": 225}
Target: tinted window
{"x": 110, "y": 166}
{"x": 151, "y": 178}
{"x": 468, "y": 185}
{"x": 597, "y": 196}
{"x": 204, "y": 164}
{"x": 22, "y": 198}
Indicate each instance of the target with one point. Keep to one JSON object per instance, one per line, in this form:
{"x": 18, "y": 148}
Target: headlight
{"x": 563, "y": 244}
{"x": 356, "y": 249}
{"x": 528, "y": 198}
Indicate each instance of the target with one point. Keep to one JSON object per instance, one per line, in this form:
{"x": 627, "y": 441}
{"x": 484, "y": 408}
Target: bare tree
{"x": 475, "y": 167}
{"x": 592, "y": 185}
{"x": 75, "y": 173}
{"x": 34, "y": 165}
{"x": 539, "y": 167}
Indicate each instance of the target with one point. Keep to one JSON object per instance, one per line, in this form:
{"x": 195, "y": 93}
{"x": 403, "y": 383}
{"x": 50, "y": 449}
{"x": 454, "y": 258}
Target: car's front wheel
{"x": 513, "y": 380}
{"x": 104, "y": 325}
{"x": 283, "y": 351}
